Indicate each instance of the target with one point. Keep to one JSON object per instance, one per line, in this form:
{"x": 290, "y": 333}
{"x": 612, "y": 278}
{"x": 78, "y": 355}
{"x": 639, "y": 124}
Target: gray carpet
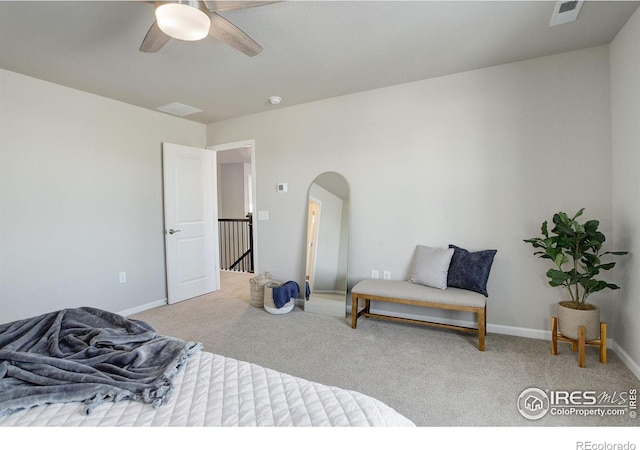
{"x": 436, "y": 378}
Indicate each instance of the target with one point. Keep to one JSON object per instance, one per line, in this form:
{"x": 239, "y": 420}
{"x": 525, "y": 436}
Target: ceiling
{"x": 312, "y": 49}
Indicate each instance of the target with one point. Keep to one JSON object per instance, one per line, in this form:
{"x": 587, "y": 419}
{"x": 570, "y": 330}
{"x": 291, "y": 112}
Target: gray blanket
{"x": 86, "y": 355}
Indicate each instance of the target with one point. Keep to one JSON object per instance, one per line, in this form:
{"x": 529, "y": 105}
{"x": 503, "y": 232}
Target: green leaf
{"x": 607, "y": 266}
{"x": 597, "y": 286}
{"x": 598, "y": 236}
{"x": 592, "y": 244}
{"x": 559, "y": 259}
{"x": 591, "y": 226}
{"x": 616, "y": 253}
{"x": 578, "y": 214}
{"x": 557, "y": 277}
{"x": 564, "y": 229}
{"x": 536, "y": 242}
{"x": 590, "y": 259}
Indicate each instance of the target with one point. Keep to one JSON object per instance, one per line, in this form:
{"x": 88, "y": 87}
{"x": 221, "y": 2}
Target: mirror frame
{"x": 332, "y": 189}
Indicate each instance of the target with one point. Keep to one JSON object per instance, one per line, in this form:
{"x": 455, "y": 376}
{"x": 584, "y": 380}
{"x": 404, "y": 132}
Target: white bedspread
{"x": 215, "y": 390}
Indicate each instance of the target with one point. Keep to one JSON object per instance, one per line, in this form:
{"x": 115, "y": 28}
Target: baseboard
{"x": 519, "y": 331}
{"x": 628, "y": 361}
{"x": 146, "y": 306}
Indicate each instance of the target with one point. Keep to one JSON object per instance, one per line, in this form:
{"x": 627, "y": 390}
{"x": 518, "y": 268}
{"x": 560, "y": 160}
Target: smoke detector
{"x": 565, "y": 12}
{"x": 275, "y": 100}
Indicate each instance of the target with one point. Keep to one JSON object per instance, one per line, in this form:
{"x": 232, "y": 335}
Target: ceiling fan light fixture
{"x": 184, "y": 20}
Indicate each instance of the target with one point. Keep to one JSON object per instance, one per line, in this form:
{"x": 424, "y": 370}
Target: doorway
{"x": 236, "y": 205}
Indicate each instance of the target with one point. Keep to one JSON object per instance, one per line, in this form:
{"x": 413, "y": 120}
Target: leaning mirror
{"x": 327, "y": 245}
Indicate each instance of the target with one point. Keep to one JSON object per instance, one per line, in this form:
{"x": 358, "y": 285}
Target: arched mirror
{"x": 327, "y": 245}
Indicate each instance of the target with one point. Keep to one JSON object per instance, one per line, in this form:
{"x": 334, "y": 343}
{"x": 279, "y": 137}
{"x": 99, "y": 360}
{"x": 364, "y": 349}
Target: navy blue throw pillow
{"x": 470, "y": 270}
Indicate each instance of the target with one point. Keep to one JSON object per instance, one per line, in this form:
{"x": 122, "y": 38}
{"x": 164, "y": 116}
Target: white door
{"x": 191, "y": 217}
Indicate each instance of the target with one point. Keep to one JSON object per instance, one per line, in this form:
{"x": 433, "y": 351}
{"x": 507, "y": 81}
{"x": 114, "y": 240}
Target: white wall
{"x": 231, "y": 191}
{"x": 246, "y": 176}
{"x": 80, "y": 199}
{"x": 477, "y": 159}
{"x": 625, "y": 118}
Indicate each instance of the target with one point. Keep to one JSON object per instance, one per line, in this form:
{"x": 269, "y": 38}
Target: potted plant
{"x": 576, "y": 250}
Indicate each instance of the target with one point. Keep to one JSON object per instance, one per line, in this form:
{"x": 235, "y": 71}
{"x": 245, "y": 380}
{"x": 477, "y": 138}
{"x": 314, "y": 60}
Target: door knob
{"x": 171, "y": 231}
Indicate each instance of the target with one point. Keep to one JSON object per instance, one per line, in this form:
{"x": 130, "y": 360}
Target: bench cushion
{"x": 411, "y": 291}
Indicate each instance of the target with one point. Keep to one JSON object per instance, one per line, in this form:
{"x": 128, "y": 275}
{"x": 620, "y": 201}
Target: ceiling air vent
{"x": 178, "y": 109}
{"x": 565, "y": 12}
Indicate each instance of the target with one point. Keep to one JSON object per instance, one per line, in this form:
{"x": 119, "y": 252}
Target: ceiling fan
{"x": 194, "y": 20}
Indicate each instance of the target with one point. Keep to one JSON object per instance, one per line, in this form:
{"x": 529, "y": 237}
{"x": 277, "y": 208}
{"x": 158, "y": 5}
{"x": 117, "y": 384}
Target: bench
{"x": 406, "y": 293}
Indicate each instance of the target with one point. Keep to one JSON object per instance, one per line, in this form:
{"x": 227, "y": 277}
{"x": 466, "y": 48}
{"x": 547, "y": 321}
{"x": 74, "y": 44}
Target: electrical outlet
{"x": 387, "y": 275}
{"x": 374, "y": 274}
{"x": 123, "y": 277}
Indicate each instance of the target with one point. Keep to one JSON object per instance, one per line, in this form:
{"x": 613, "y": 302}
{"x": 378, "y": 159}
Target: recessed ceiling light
{"x": 275, "y": 100}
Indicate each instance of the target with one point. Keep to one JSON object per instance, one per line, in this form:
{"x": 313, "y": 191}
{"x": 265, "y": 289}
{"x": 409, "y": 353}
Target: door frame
{"x": 251, "y": 144}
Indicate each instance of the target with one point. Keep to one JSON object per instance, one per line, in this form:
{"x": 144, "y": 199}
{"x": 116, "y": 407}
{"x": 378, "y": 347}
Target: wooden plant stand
{"x": 580, "y": 343}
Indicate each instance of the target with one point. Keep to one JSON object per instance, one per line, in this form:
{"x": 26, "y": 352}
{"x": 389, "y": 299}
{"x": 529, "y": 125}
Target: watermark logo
{"x": 590, "y": 445}
{"x": 534, "y": 403}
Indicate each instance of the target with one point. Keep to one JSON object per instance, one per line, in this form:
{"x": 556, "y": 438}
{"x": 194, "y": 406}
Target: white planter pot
{"x": 570, "y": 319}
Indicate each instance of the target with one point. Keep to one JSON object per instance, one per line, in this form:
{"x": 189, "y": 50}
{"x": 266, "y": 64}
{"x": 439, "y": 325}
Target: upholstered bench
{"x": 407, "y": 293}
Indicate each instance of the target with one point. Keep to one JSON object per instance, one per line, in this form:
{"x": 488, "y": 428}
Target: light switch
{"x": 282, "y": 187}
{"x": 263, "y": 215}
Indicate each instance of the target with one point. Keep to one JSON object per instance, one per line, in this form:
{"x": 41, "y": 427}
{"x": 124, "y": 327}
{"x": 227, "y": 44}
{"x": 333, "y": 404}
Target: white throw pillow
{"x": 431, "y": 266}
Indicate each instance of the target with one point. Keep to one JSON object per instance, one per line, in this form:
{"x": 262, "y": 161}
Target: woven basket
{"x": 270, "y": 305}
{"x": 256, "y": 286}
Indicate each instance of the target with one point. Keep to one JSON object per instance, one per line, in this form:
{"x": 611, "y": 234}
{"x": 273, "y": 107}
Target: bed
{"x": 89, "y": 367}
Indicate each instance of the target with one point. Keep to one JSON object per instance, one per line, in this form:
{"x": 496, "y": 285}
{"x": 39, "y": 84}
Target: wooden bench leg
{"x": 482, "y": 322}
{"x": 354, "y": 310}
{"x": 485, "y": 320}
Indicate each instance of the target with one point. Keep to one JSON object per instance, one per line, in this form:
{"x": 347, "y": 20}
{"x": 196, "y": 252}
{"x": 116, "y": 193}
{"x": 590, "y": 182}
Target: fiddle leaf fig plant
{"x": 576, "y": 250}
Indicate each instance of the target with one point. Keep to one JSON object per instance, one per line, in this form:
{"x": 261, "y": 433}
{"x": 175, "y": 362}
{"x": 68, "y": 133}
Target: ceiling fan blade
{"x": 227, "y": 32}
{"x": 232, "y": 5}
{"x": 154, "y": 40}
